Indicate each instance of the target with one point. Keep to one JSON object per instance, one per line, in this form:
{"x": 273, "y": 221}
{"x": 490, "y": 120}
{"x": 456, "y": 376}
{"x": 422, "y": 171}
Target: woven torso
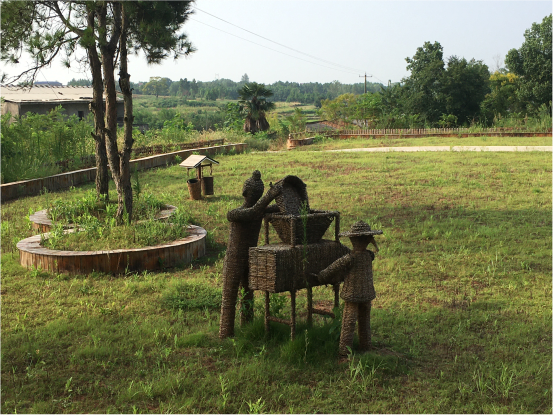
{"x": 358, "y": 284}
{"x": 243, "y": 235}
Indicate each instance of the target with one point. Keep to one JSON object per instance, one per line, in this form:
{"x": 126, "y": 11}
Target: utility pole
{"x": 365, "y": 76}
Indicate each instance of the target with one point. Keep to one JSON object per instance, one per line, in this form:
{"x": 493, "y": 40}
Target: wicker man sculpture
{"x": 358, "y": 290}
{"x": 245, "y": 224}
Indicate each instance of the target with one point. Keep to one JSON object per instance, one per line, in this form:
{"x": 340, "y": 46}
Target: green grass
{"x": 338, "y": 144}
{"x": 99, "y": 236}
{"x": 97, "y": 226}
{"x": 461, "y": 322}
{"x": 287, "y": 108}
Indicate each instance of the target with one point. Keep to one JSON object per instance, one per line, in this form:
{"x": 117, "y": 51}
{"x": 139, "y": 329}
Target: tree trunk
{"x": 97, "y": 107}
{"x": 125, "y": 84}
{"x": 250, "y": 125}
{"x": 262, "y": 124}
{"x": 108, "y": 56}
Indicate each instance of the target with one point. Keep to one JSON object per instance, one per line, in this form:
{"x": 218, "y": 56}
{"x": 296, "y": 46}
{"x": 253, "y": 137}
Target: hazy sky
{"x": 333, "y": 40}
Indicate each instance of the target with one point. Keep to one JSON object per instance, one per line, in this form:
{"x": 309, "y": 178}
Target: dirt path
{"x": 448, "y": 148}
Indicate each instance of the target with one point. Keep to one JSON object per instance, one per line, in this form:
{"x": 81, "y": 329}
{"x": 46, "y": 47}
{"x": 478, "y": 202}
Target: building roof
{"x": 195, "y": 161}
{"x": 47, "y": 93}
{"x": 53, "y": 83}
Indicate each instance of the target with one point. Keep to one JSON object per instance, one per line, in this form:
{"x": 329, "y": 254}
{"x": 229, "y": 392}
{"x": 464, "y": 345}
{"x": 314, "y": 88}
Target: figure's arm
{"x": 257, "y": 210}
{"x": 334, "y": 272}
{"x": 240, "y": 215}
{"x": 272, "y": 209}
{"x": 260, "y": 207}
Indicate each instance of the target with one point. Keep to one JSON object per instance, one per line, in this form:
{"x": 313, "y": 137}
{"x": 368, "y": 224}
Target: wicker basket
{"x": 195, "y": 189}
{"x": 277, "y": 268}
{"x": 317, "y": 224}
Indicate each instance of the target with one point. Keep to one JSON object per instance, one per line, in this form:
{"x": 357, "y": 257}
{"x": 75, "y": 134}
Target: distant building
{"x": 50, "y": 83}
{"x": 41, "y": 99}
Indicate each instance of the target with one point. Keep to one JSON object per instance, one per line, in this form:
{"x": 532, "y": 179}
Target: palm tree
{"x": 253, "y": 105}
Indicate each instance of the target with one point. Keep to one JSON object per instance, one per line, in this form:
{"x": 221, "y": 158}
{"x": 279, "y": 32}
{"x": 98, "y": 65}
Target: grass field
{"x": 287, "y": 108}
{"x": 461, "y": 323}
{"x": 338, "y": 144}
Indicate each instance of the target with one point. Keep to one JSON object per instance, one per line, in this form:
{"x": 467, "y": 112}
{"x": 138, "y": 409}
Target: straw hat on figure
{"x": 355, "y": 269}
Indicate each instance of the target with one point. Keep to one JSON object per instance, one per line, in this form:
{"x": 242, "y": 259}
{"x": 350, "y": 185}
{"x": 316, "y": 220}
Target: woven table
{"x": 281, "y": 267}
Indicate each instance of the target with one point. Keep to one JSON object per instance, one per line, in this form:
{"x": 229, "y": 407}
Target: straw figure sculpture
{"x": 293, "y": 195}
{"x": 245, "y": 224}
{"x": 355, "y": 269}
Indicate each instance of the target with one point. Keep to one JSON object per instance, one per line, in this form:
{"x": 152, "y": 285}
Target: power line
{"x": 48, "y": 84}
{"x": 280, "y": 44}
{"x": 274, "y": 50}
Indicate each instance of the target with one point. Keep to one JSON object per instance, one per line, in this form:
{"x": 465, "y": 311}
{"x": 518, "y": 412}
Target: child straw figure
{"x": 355, "y": 269}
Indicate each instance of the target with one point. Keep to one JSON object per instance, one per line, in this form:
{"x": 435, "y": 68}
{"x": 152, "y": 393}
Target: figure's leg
{"x": 228, "y": 306}
{"x": 349, "y": 319}
{"x": 365, "y": 326}
{"x": 336, "y": 288}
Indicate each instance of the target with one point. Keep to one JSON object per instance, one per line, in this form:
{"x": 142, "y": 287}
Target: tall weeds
{"x": 31, "y": 145}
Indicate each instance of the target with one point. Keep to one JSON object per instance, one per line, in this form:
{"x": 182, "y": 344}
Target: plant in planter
{"x": 97, "y": 227}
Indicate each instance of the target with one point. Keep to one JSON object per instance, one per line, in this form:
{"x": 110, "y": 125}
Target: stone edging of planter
{"x": 117, "y": 261}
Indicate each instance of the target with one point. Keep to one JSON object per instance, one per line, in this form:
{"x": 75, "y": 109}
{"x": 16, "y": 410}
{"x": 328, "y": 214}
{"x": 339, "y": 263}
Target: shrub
{"x": 32, "y": 144}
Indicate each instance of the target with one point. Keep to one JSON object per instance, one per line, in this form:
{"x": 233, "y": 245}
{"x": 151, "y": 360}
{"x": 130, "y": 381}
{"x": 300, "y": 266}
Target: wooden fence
{"x": 11, "y": 191}
{"x": 430, "y": 131}
{"x": 137, "y": 152}
{"x": 419, "y": 132}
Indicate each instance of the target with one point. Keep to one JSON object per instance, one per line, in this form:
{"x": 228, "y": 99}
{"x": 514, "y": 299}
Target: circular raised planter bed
{"x": 42, "y": 223}
{"x": 117, "y": 261}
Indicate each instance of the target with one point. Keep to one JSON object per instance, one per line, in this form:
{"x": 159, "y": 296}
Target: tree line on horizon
{"x": 305, "y": 93}
{"x": 439, "y": 92}
{"x": 457, "y": 92}
{"x": 451, "y": 92}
